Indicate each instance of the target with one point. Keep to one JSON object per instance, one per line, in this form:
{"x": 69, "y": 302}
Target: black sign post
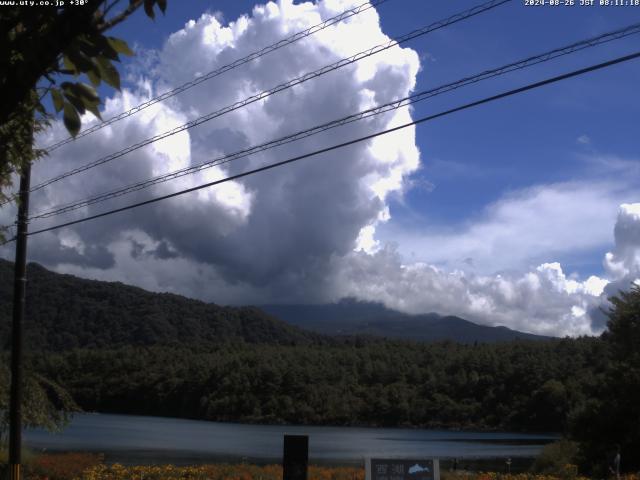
{"x": 295, "y": 459}
{"x": 402, "y": 469}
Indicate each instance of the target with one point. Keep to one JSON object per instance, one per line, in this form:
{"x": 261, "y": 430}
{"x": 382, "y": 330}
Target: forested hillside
{"x": 117, "y": 348}
{"x": 65, "y": 312}
{"x": 528, "y": 386}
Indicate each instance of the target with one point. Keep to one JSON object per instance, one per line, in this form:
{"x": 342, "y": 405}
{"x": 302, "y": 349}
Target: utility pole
{"x": 19, "y": 290}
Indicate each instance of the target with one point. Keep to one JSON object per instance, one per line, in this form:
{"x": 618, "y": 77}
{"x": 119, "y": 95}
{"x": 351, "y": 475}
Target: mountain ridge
{"x": 66, "y": 312}
{"x": 353, "y": 317}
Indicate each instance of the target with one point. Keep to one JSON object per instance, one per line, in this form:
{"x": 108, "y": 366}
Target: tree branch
{"x": 107, "y": 8}
{"x": 44, "y": 48}
{"x": 120, "y": 17}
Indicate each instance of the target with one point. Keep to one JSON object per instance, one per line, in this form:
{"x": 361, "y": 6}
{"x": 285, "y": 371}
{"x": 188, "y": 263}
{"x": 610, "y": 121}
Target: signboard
{"x": 402, "y": 469}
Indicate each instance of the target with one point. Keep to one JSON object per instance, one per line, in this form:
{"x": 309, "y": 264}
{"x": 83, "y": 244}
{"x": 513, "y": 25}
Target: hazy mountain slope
{"x": 64, "y": 311}
{"x": 350, "y": 317}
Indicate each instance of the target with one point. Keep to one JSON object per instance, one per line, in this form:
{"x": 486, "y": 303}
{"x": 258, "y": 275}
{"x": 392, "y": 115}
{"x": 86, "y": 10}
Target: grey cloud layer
{"x": 275, "y": 232}
{"x": 292, "y": 234}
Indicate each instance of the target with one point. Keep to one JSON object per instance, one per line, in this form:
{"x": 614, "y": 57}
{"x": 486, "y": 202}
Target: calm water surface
{"x": 134, "y": 439}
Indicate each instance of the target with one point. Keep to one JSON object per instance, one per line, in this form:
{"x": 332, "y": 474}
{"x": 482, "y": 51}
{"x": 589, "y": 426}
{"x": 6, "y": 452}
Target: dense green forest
{"x": 114, "y": 348}
{"x": 118, "y": 348}
{"x": 516, "y": 386}
{"x": 65, "y": 312}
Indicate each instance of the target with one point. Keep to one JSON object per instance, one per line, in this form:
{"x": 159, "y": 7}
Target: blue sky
{"x": 524, "y": 212}
{"x": 473, "y": 158}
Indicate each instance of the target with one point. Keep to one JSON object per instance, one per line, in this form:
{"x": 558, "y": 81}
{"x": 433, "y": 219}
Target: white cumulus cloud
{"x": 542, "y": 300}
{"x": 522, "y": 228}
{"x": 275, "y": 232}
{"x": 310, "y": 231}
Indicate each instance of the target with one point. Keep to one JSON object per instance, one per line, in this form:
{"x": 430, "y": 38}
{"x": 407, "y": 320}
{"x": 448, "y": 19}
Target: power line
{"x": 264, "y": 94}
{"x": 225, "y": 68}
{"x": 5, "y": 242}
{"x": 508, "y": 93}
{"x": 296, "y": 81}
{"x": 420, "y": 96}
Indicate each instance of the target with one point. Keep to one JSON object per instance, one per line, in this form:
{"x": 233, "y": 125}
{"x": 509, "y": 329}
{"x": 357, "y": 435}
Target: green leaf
{"x": 71, "y": 119}
{"x": 87, "y": 45}
{"x": 86, "y": 91}
{"x": 58, "y": 101}
{"x": 148, "y": 8}
{"x": 75, "y": 101}
{"x": 93, "y": 108}
{"x": 80, "y": 61}
{"x": 108, "y": 72}
{"x": 104, "y": 48}
{"x": 94, "y": 76}
{"x": 41, "y": 109}
{"x": 83, "y": 97}
{"x": 120, "y": 46}
{"x": 163, "y": 5}
{"x": 69, "y": 65}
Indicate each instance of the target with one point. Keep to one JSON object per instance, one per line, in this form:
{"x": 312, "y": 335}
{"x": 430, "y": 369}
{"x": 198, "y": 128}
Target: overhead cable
{"x": 267, "y": 93}
{"x": 220, "y": 70}
{"x": 508, "y": 93}
{"x": 417, "y": 97}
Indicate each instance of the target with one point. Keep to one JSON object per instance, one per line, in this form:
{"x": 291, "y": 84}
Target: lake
{"x": 146, "y": 440}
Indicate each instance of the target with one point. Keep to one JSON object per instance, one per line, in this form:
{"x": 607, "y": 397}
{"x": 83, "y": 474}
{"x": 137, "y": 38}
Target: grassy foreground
{"x": 88, "y": 466}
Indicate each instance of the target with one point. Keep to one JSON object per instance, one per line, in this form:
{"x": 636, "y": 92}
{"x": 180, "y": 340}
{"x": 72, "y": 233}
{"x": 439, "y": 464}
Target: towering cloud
{"x": 623, "y": 263}
{"x": 305, "y": 232}
{"x": 543, "y": 300}
{"x": 276, "y": 231}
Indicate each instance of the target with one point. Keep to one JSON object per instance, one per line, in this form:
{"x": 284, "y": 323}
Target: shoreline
{"x": 151, "y": 440}
{"x": 183, "y": 458}
{"x": 432, "y": 427}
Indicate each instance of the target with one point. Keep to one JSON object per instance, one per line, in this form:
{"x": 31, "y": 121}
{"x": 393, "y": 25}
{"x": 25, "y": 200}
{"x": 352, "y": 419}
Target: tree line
{"x": 522, "y": 386}
{"x": 113, "y": 348}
